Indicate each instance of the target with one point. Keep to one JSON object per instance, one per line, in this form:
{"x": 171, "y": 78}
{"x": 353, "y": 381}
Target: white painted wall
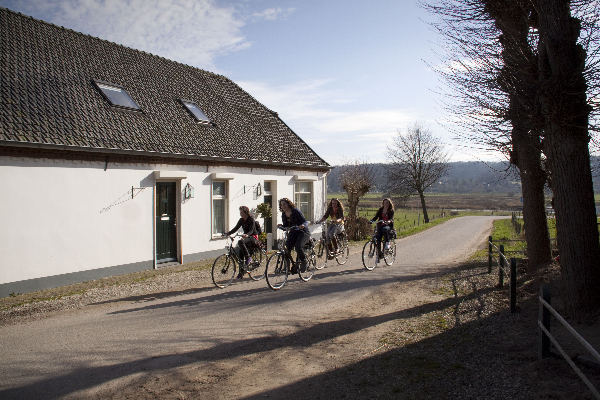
{"x": 62, "y": 216}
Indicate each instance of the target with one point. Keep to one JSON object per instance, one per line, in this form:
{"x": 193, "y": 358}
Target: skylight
{"x": 117, "y": 96}
{"x": 195, "y": 111}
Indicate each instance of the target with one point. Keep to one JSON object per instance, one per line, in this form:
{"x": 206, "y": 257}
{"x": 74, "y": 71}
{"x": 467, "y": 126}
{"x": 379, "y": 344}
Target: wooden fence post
{"x": 501, "y": 270}
{"x": 544, "y": 319}
{"x": 513, "y": 285}
{"x": 490, "y": 255}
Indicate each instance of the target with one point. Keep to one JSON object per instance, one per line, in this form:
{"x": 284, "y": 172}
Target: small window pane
{"x": 118, "y": 96}
{"x": 303, "y": 187}
{"x": 267, "y": 186}
{"x": 196, "y": 111}
{"x": 303, "y": 203}
{"x": 218, "y": 216}
{"x": 218, "y": 188}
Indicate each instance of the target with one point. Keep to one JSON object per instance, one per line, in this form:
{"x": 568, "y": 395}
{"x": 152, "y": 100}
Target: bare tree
{"x": 418, "y": 160}
{"x": 566, "y": 113}
{"x": 356, "y": 179}
{"x": 529, "y": 79}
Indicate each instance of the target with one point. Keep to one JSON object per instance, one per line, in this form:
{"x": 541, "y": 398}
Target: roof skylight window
{"x": 117, "y": 96}
{"x": 195, "y": 111}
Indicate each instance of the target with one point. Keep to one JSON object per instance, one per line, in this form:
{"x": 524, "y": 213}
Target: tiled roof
{"x": 47, "y": 98}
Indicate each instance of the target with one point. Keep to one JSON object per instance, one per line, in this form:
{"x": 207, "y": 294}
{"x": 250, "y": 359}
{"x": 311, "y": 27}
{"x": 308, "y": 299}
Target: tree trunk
{"x": 353, "y": 199}
{"x": 533, "y": 178}
{"x": 564, "y": 105}
{"x": 424, "y": 207}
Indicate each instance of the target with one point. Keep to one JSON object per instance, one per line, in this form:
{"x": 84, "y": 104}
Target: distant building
{"x": 113, "y": 160}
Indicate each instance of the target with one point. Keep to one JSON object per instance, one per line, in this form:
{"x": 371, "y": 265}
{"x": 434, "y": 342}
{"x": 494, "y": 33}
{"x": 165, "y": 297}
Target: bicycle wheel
{"x": 369, "y": 255}
{"x": 342, "y": 257}
{"x": 258, "y": 266}
{"x": 277, "y": 271}
{"x": 223, "y": 271}
{"x": 389, "y": 255}
{"x": 321, "y": 255}
{"x": 311, "y": 263}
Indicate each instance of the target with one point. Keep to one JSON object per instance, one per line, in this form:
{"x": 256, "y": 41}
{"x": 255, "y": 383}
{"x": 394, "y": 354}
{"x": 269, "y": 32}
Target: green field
{"x": 460, "y": 201}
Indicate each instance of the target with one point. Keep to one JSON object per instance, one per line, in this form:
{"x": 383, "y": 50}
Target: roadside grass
{"x": 20, "y": 299}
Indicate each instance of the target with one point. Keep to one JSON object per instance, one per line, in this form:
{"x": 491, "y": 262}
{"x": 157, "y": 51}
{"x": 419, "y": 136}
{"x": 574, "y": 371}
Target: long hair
{"x": 390, "y": 201}
{"x": 330, "y": 206}
{"x": 288, "y": 201}
{"x": 245, "y": 210}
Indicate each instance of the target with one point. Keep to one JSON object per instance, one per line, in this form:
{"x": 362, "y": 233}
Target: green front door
{"x": 268, "y": 228}
{"x": 166, "y": 221}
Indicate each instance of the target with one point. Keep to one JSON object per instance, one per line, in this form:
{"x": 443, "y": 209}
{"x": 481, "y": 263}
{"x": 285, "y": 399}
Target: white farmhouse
{"x": 113, "y": 160}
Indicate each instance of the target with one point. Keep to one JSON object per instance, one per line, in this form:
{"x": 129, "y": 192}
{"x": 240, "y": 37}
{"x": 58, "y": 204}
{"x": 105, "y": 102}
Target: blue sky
{"x": 345, "y": 75}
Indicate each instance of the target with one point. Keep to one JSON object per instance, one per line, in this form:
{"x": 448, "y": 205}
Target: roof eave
{"x": 179, "y": 156}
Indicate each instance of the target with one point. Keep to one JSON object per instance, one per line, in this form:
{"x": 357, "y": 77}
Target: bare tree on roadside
{"x": 534, "y": 92}
{"x": 356, "y": 179}
{"x": 418, "y": 160}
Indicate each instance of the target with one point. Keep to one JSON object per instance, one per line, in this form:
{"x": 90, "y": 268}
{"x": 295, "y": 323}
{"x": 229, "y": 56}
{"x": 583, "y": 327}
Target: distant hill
{"x": 463, "y": 177}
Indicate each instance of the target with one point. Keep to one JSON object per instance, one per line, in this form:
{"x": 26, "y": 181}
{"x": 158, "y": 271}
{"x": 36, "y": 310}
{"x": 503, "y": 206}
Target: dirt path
{"x": 247, "y": 341}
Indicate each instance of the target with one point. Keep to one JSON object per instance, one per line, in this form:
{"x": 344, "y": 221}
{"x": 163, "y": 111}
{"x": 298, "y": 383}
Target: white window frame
{"x": 311, "y": 204}
{"x": 214, "y": 197}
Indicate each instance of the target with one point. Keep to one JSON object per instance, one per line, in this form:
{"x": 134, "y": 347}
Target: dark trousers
{"x": 383, "y": 231}
{"x": 246, "y": 246}
{"x": 297, "y": 239}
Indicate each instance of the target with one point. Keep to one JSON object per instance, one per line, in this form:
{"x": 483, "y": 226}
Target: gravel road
{"x": 106, "y": 346}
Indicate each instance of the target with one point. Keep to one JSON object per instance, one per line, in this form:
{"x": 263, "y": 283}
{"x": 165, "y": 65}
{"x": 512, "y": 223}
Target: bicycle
{"x": 370, "y": 256}
{"x": 225, "y": 266}
{"x": 323, "y": 251}
{"x": 278, "y": 265}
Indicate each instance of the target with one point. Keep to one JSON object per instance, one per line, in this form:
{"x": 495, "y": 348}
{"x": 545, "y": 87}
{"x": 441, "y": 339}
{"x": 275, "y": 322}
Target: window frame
{"x": 311, "y": 193}
{"x": 185, "y": 102}
{"x": 225, "y": 199}
{"x": 98, "y": 83}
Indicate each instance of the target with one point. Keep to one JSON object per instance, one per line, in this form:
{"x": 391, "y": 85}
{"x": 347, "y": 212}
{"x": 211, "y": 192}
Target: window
{"x": 219, "y": 207}
{"x": 303, "y": 198}
{"x": 117, "y": 96}
{"x": 195, "y": 111}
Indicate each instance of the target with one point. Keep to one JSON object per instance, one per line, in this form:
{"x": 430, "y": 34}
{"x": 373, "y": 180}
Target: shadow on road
{"x": 85, "y": 378}
{"x": 295, "y": 290}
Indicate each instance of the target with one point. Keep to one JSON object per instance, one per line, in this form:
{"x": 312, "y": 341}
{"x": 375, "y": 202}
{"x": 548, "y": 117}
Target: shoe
{"x": 294, "y": 270}
{"x": 240, "y": 276}
{"x": 387, "y": 245}
{"x": 248, "y": 262}
{"x": 303, "y": 266}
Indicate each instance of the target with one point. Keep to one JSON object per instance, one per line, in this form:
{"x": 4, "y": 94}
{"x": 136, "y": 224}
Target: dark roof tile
{"x": 47, "y": 89}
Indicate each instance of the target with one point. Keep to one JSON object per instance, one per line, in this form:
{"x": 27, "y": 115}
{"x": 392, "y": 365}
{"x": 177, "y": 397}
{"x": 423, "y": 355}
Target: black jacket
{"x": 295, "y": 219}
{"x": 379, "y": 216}
{"x": 248, "y": 226}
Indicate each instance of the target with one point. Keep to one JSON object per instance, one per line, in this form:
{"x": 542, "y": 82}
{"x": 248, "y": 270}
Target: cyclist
{"x": 249, "y": 238}
{"x": 385, "y": 224}
{"x": 335, "y": 211}
{"x": 297, "y": 238}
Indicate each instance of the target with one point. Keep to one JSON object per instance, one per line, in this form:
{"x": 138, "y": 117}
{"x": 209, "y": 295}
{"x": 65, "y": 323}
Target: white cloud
{"x": 326, "y": 119}
{"x": 193, "y": 32}
{"x": 272, "y": 14}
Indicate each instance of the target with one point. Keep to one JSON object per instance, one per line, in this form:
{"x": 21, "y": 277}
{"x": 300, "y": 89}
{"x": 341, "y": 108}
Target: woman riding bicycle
{"x": 249, "y": 239}
{"x": 297, "y": 238}
{"x": 385, "y": 224}
{"x": 335, "y": 211}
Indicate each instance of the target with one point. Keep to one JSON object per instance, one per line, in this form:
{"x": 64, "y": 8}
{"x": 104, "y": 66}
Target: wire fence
{"x": 546, "y": 338}
{"x": 503, "y": 262}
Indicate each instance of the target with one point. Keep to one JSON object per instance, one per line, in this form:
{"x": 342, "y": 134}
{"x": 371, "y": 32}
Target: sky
{"x": 345, "y": 75}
